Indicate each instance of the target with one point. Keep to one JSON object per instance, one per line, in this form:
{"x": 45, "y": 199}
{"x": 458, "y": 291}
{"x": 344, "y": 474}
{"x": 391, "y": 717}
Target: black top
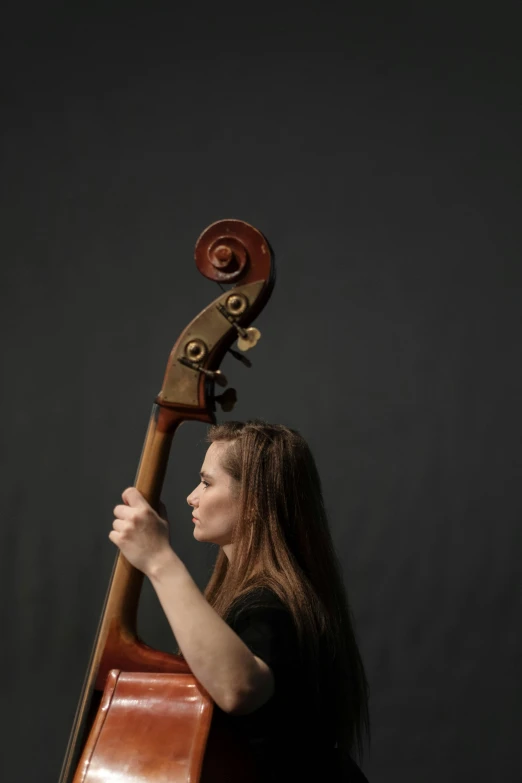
{"x": 291, "y": 735}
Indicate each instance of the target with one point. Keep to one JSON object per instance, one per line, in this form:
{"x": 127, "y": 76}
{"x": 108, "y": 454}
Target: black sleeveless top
{"x": 291, "y": 735}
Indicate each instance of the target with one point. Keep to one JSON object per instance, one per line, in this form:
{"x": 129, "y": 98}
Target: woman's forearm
{"x": 236, "y": 680}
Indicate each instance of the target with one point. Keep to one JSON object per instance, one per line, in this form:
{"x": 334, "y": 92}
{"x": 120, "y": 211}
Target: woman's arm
{"x": 237, "y": 680}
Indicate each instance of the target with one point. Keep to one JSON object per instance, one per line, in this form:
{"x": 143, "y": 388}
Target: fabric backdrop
{"x": 377, "y": 147}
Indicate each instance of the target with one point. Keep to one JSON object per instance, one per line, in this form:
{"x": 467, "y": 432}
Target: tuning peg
{"x": 195, "y": 351}
{"x": 250, "y": 338}
{"x": 227, "y": 400}
{"x": 216, "y": 375}
{"x": 234, "y": 307}
{"x": 240, "y": 357}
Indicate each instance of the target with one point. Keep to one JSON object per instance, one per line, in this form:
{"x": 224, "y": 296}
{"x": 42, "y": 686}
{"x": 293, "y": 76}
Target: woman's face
{"x": 215, "y": 501}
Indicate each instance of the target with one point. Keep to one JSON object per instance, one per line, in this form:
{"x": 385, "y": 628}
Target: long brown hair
{"x": 282, "y": 541}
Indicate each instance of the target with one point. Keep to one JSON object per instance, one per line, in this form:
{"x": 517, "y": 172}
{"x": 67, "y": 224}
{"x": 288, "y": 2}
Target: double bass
{"x": 142, "y": 715}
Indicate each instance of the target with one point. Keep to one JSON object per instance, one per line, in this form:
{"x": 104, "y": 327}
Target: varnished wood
{"x": 231, "y": 250}
{"x": 168, "y": 717}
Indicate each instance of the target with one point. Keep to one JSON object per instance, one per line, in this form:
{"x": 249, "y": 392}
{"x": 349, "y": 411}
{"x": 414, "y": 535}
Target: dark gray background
{"x": 377, "y": 147}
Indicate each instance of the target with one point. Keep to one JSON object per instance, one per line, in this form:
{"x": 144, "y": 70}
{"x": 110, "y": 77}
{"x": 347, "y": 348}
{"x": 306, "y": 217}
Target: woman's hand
{"x": 140, "y": 533}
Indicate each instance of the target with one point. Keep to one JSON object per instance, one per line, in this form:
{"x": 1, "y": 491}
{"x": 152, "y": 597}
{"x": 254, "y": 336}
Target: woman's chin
{"x": 198, "y": 535}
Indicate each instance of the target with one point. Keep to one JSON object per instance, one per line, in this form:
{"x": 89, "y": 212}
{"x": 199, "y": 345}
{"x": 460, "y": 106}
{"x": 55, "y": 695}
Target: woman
{"x": 272, "y": 639}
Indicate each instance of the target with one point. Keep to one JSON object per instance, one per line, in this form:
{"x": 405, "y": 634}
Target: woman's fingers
{"x": 133, "y": 497}
{"x": 124, "y": 512}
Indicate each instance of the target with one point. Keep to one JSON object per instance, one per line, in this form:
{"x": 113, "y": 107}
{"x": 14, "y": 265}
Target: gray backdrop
{"x": 377, "y": 147}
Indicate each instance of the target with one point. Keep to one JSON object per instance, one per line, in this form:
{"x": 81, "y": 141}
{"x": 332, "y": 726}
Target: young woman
{"x": 272, "y": 638}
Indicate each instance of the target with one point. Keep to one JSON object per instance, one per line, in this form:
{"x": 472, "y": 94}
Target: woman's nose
{"x": 191, "y": 499}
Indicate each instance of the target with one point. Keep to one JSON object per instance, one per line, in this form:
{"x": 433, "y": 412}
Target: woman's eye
{"x": 205, "y": 483}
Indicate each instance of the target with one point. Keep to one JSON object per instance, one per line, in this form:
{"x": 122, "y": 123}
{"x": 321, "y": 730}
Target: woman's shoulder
{"x": 262, "y": 594}
{"x": 261, "y": 619}
{"x": 261, "y": 605}
{"x": 258, "y": 597}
